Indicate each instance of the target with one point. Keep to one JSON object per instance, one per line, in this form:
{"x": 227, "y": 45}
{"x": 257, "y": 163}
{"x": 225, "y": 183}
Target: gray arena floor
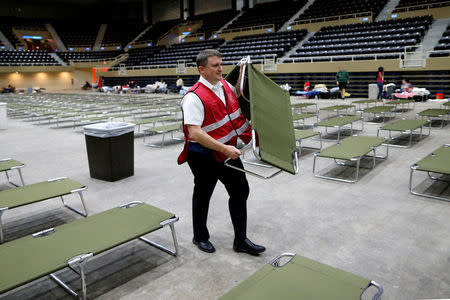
{"x": 374, "y": 228}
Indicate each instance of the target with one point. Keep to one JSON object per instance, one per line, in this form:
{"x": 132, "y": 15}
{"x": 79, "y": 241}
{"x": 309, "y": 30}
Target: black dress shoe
{"x": 248, "y": 247}
{"x": 204, "y": 246}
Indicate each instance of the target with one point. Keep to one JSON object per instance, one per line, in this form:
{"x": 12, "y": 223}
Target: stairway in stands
{"x": 433, "y": 35}
{"x": 229, "y": 22}
{"x": 100, "y": 36}
{"x": 294, "y": 49}
{"x": 58, "y": 59}
{"x": 297, "y": 14}
{"x": 387, "y": 10}
{"x": 5, "y": 41}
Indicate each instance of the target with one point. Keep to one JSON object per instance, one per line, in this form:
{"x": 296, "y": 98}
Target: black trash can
{"x": 110, "y": 150}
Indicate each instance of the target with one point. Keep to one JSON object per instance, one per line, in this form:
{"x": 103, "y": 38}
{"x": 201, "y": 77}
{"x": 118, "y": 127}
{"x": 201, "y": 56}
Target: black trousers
{"x": 206, "y": 172}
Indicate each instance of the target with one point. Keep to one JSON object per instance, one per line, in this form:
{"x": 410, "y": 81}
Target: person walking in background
{"x": 342, "y": 79}
{"x": 380, "y": 83}
{"x": 179, "y": 83}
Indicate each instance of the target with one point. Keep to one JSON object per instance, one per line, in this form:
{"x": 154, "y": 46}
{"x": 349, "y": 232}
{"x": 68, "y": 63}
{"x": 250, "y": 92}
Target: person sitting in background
{"x": 406, "y": 91}
{"x": 406, "y": 86}
{"x": 307, "y": 86}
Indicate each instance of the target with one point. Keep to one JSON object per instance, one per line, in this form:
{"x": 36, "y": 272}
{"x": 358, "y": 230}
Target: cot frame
{"x": 414, "y": 167}
{"x": 276, "y": 263}
{"x": 18, "y": 168}
{"x": 163, "y": 132}
{"x": 377, "y": 115}
{"x": 260, "y": 162}
{"x": 410, "y": 132}
{"x": 340, "y": 128}
{"x": 300, "y": 147}
{"x": 430, "y": 119}
{"x": 356, "y": 160}
{"x": 79, "y": 191}
{"x": 80, "y": 261}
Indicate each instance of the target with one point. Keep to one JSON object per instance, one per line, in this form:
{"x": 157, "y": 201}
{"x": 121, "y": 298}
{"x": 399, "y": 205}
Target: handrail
{"x": 110, "y": 59}
{"x": 246, "y": 28}
{"x": 176, "y": 26}
{"x": 426, "y": 6}
{"x": 311, "y": 58}
{"x": 334, "y": 18}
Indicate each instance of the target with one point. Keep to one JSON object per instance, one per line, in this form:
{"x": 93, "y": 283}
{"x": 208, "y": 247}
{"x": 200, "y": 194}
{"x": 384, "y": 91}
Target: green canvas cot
{"x": 301, "y": 278}
{"x": 8, "y": 164}
{"x": 74, "y": 244}
{"x": 437, "y": 162}
{"x": 268, "y": 107}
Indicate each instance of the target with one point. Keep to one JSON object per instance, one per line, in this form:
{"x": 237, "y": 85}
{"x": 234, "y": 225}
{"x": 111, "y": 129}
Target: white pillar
{"x": 3, "y": 118}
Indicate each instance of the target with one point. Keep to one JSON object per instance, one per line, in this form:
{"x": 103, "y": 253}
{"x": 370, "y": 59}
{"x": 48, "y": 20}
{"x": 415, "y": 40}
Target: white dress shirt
{"x": 193, "y": 110}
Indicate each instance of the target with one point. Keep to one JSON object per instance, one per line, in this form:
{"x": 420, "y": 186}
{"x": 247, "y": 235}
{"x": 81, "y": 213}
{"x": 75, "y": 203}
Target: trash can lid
{"x": 108, "y": 129}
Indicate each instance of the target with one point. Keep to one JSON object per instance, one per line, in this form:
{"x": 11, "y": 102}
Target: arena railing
{"x": 176, "y": 26}
{"x": 266, "y": 26}
{"x": 30, "y": 64}
{"x": 421, "y": 6}
{"x": 331, "y": 57}
{"x": 333, "y": 18}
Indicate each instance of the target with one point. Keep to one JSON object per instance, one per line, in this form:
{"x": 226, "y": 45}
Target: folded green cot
{"x": 300, "y": 278}
{"x": 340, "y": 122}
{"x": 8, "y": 164}
{"x": 164, "y": 129}
{"x": 437, "y": 162}
{"x": 435, "y": 114}
{"x": 269, "y": 108}
{"x": 32, "y": 193}
{"x": 303, "y": 134}
{"x": 377, "y": 112}
{"x": 74, "y": 244}
{"x": 339, "y": 108}
{"x": 351, "y": 149}
{"x": 407, "y": 126}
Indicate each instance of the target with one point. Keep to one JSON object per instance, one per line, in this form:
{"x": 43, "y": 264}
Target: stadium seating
{"x": 157, "y": 30}
{"x": 77, "y": 35}
{"x": 86, "y": 56}
{"x": 183, "y": 51}
{"x": 214, "y": 21}
{"x": 141, "y": 56}
{"x": 26, "y": 58}
{"x": 419, "y": 4}
{"x": 444, "y": 44}
{"x": 323, "y": 8}
{"x": 121, "y": 34}
{"x": 276, "y": 13}
{"x": 262, "y": 44}
{"x": 388, "y": 37}
{"x": 7, "y": 31}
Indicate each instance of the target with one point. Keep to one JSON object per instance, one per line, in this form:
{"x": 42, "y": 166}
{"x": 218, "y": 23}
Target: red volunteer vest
{"x": 224, "y": 124}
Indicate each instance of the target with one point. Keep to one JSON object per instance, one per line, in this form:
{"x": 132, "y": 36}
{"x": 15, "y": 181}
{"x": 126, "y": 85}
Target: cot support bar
{"x": 379, "y": 290}
{"x": 169, "y": 223}
{"x": 2, "y": 210}
{"x": 77, "y": 261}
{"x": 18, "y": 168}
{"x": 412, "y": 191}
{"x": 84, "y": 213}
{"x": 276, "y": 262}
